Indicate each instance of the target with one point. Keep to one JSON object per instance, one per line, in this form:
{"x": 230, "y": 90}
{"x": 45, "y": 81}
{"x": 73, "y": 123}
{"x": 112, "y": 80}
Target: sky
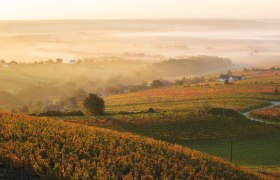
{"x": 138, "y": 9}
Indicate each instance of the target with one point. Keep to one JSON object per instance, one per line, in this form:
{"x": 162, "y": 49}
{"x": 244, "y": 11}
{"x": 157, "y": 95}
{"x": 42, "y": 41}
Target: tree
{"x": 50, "y": 61}
{"x": 59, "y": 60}
{"x": 197, "y": 80}
{"x": 157, "y": 84}
{"x": 13, "y": 62}
{"x": 151, "y": 110}
{"x": 276, "y": 91}
{"x": 179, "y": 82}
{"x": 2, "y": 61}
{"x": 94, "y": 104}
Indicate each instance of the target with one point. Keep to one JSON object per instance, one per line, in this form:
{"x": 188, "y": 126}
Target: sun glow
{"x": 144, "y": 9}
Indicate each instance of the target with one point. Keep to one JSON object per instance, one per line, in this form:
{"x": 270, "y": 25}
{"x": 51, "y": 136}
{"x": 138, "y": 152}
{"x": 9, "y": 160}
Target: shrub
{"x": 157, "y": 84}
{"x": 50, "y": 113}
{"x": 58, "y": 113}
{"x": 151, "y": 110}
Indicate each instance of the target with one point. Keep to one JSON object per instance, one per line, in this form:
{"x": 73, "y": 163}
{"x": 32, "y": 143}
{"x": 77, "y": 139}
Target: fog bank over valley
{"x": 243, "y": 41}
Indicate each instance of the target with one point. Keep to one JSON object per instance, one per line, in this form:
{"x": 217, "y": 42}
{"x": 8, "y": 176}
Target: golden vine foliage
{"x": 61, "y": 150}
{"x": 268, "y": 114}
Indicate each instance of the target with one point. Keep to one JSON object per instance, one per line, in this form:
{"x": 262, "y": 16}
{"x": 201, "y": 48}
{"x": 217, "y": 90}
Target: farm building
{"x": 230, "y": 78}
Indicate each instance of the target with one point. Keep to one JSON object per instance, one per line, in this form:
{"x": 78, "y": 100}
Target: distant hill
{"x": 192, "y": 65}
{"x": 49, "y": 81}
{"x": 59, "y": 150}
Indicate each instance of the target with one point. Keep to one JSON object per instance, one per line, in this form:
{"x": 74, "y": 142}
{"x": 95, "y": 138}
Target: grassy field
{"x": 258, "y": 153}
{"x": 247, "y": 151}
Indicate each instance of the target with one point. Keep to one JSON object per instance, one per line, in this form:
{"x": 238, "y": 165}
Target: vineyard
{"x": 105, "y": 147}
{"x": 182, "y": 116}
{"x": 179, "y": 127}
{"x": 204, "y": 132}
{"x": 140, "y": 90}
{"x": 272, "y": 114}
{"x": 59, "y": 150}
{"x": 256, "y": 91}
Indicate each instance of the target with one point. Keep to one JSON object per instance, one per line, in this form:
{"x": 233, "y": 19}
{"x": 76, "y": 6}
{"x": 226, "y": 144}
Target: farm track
{"x": 248, "y": 114}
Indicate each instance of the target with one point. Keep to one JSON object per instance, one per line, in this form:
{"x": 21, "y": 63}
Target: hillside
{"x": 97, "y": 72}
{"x": 50, "y": 81}
{"x": 256, "y": 90}
{"x": 182, "y": 116}
{"x": 192, "y": 65}
{"x": 56, "y": 149}
{"x": 271, "y": 114}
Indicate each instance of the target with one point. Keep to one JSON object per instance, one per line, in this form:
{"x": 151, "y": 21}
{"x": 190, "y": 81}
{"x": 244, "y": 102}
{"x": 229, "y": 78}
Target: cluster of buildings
{"x": 230, "y": 78}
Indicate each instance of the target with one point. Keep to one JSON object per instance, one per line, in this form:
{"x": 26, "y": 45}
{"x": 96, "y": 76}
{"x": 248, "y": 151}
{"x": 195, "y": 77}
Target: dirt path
{"x": 247, "y": 114}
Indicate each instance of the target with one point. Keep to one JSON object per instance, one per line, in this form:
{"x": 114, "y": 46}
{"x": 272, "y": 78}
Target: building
{"x": 230, "y": 78}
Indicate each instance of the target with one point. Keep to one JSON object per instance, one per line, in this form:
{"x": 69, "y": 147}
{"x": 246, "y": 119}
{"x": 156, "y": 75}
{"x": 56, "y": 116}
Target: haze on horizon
{"x": 253, "y": 36}
{"x": 144, "y": 9}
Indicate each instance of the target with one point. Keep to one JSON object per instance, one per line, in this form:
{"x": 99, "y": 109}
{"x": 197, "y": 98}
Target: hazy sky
{"x": 143, "y": 9}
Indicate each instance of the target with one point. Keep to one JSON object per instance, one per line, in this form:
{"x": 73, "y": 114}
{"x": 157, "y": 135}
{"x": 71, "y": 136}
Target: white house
{"x": 230, "y": 78}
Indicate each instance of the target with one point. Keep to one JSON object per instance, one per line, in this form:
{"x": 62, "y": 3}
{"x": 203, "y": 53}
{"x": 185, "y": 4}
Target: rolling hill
{"x": 54, "y": 149}
{"x": 192, "y": 65}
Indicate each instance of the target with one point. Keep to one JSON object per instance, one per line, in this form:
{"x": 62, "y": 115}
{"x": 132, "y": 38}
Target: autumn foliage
{"x": 61, "y": 150}
{"x": 269, "y": 114}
